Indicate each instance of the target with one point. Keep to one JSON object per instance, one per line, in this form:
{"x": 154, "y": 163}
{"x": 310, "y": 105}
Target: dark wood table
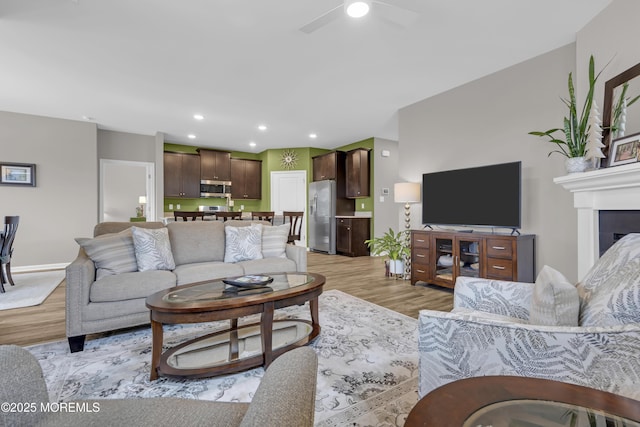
{"x": 504, "y": 400}
{"x": 238, "y": 347}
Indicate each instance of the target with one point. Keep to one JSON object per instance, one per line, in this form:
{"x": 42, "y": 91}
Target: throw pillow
{"x": 274, "y": 240}
{"x": 243, "y": 243}
{"x": 111, "y": 253}
{"x": 555, "y": 301}
{"x": 153, "y": 249}
{"x": 610, "y": 291}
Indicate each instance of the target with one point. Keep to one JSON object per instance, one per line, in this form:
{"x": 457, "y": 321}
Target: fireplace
{"x": 606, "y": 190}
{"x": 614, "y": 225}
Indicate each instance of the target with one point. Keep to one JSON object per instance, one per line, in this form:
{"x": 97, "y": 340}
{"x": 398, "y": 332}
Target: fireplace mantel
{"x": 616, "y": 188}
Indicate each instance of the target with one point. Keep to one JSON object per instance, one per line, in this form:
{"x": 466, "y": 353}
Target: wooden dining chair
{"x": 295, "y": 224}
{"x": 185, "y": 215}
{"x": 263, "y": 216}
{"x": 228, "y": 215}
{"x": 6, "y": 249}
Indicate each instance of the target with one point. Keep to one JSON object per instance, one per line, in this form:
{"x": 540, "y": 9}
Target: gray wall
{"x": 486, "y": 121}
{"x": 126, "y": 146}
{"x": 385, "y": 174}
{"x": 611, "y": 37}
{"x": 64, "y": 203}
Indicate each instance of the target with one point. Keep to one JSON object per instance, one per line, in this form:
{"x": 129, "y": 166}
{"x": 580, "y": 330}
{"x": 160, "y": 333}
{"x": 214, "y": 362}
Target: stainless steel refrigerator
{"x": 322, "y": 216}
{"x": 324, "y": 204}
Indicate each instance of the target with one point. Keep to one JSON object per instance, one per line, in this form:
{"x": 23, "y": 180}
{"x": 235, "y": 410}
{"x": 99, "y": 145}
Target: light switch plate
{"x": 381, "y": 199}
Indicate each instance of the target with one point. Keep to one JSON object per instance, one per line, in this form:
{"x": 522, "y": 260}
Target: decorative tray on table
{"x": 250, "y": 281}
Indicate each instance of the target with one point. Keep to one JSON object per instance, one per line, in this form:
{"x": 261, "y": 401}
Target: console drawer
{"x": 420, "y": 256}
{"x": 499, "y": 248}
{"x": 419, "y": 272}
{"x": 419, "y": 240}
{"x": 501, "y": 269}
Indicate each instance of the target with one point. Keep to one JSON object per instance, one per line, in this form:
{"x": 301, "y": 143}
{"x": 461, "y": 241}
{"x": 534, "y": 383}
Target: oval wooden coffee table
{"x": 236, "y": 348}
{"x": 509, "y": 401}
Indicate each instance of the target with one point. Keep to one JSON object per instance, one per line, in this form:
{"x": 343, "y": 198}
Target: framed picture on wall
{"x": 18, "y": 174}
{"x": 625, "y": 150}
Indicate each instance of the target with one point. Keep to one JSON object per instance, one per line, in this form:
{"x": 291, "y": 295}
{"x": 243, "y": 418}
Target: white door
{"x": 289, "y": 193}
{"x": 121, "y": 185}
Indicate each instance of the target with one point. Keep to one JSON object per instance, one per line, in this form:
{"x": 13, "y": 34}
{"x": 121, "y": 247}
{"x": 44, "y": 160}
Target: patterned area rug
{"x": 30, "y": 288}
{"x": 367, "y": 374}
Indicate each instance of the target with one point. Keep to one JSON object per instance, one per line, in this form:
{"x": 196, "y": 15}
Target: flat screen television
{"x": 488, "y": 196}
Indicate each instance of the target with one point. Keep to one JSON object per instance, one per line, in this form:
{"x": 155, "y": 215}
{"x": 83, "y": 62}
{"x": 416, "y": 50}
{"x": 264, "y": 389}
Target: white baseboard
{"x": 31, "y": 268}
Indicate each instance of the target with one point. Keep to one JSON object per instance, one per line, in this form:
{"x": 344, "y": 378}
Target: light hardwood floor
{"x": 362, "y": 277}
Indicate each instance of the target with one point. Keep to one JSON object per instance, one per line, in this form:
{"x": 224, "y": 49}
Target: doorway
{"x": 122, "y": 183}
{"x": 289, "y": 193}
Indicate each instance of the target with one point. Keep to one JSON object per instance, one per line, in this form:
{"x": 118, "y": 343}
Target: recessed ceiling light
{"x": 357, "y": 9}
{"x": 262, "y": 127}
{"x": 191, "y": 136}
{"x": 252, "y": 144}
{"x": 313, "y": 136}
{"x": 198, "y": 116}
{"x": 89, "y": 118}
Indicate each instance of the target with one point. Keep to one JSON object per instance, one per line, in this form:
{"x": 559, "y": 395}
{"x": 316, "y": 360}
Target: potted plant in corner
{"x": 392, "y": 245}
{"x": 573, "y": 138}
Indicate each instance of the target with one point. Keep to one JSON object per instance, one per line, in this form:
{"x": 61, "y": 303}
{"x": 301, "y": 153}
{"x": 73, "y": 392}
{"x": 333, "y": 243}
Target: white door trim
{"x": 150, "y": 180}
{"x": 274, "y": 179}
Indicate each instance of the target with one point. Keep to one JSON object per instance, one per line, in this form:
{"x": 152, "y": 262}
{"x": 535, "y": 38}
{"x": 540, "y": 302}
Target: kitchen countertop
{"x": 361, "y": 214}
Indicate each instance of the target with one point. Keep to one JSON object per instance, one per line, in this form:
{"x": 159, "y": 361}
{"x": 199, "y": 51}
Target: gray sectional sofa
{"x": 99, "y": 302}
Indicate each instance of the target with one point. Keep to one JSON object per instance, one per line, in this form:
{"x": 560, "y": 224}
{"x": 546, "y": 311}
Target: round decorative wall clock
{"x": 289, "y": 159}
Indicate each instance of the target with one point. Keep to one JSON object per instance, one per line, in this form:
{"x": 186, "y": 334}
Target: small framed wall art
{"x": 625, "y": 150}
{"x": 18, "y": 174}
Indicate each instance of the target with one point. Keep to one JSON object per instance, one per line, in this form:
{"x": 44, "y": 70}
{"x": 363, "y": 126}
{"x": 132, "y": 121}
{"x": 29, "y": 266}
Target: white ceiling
{"x": 146, "y": 66}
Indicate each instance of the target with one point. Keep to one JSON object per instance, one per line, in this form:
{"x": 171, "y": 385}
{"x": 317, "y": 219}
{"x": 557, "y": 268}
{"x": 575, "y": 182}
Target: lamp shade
{"x": 142, "y": 199}
{"x": 406, "y": 192}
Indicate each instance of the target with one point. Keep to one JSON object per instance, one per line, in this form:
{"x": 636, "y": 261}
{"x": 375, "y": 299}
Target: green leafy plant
{"x": 391, "y": 244}
{"x": 623, "y": 100}
{"x": 575, "y": 128}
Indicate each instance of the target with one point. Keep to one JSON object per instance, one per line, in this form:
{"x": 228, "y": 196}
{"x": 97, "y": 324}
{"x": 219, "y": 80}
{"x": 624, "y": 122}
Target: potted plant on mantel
{"x": 392, "y": 245}
{"x": 576, "y": 130}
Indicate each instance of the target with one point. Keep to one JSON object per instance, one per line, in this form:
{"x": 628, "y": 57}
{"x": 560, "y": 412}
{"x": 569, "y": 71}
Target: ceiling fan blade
{"x": 394, "y": 15}
{"x": 322, "y": 20}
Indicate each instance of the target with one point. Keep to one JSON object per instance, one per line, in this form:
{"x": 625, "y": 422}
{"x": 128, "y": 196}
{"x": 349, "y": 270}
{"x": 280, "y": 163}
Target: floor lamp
{"x": 407, "y": 192}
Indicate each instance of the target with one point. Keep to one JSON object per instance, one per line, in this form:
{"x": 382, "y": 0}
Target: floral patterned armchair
{"x": 491, "y": 330}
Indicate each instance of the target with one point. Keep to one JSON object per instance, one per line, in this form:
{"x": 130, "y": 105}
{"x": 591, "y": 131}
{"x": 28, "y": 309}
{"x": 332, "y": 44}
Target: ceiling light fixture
{"x": 198, "y": 116}
{"x": 313, "y": 136}
{"x": 357, "y": 8}
{"x": 262, "y": 127}
{"x": 252, "y": 144}
{"x": 191, "y": 136}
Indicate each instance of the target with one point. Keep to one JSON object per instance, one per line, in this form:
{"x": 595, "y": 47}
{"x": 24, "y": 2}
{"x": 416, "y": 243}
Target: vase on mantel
{"x": 576, "y": 164}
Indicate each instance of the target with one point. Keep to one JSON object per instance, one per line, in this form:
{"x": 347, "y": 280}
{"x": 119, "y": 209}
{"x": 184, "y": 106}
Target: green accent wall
{"x": 271, "y": 161}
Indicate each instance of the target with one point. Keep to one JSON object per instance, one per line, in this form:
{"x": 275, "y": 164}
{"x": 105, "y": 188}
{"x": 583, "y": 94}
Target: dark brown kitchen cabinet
{"x": 181, "y": 175}
{"x": 215, "y": 165}
{"x": 350, "y": 236}
{"x": 329, "y": 166}
{"x": 357, "y": 168}
{"x": 246, "y": 179}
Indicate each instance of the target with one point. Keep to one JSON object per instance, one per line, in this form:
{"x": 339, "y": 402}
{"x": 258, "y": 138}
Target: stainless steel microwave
{"x": 215, "y": 188}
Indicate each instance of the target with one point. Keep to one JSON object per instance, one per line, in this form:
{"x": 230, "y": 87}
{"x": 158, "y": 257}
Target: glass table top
{"x": 218, "y": 290}
{"x": 543, "y": 413}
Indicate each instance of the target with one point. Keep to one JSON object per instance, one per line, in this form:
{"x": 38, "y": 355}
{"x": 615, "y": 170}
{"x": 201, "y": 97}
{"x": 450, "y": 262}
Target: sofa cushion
{"x": 554, "y": 301}
{"x": 153, "y": 249}
{"x": 274, "y": 240}
{"x": 243, "y": 243}
{"x": 127, "y": 286}
{"x": 196, "y": 241}
{"x": 268, "y": 265}
{"x": 111, "y": 253}
{"x": 610, "y": 291}
{"x": 201, "y": 271}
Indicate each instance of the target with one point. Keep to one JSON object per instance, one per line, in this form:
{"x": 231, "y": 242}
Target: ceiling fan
{"x": 390, "y": 13}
